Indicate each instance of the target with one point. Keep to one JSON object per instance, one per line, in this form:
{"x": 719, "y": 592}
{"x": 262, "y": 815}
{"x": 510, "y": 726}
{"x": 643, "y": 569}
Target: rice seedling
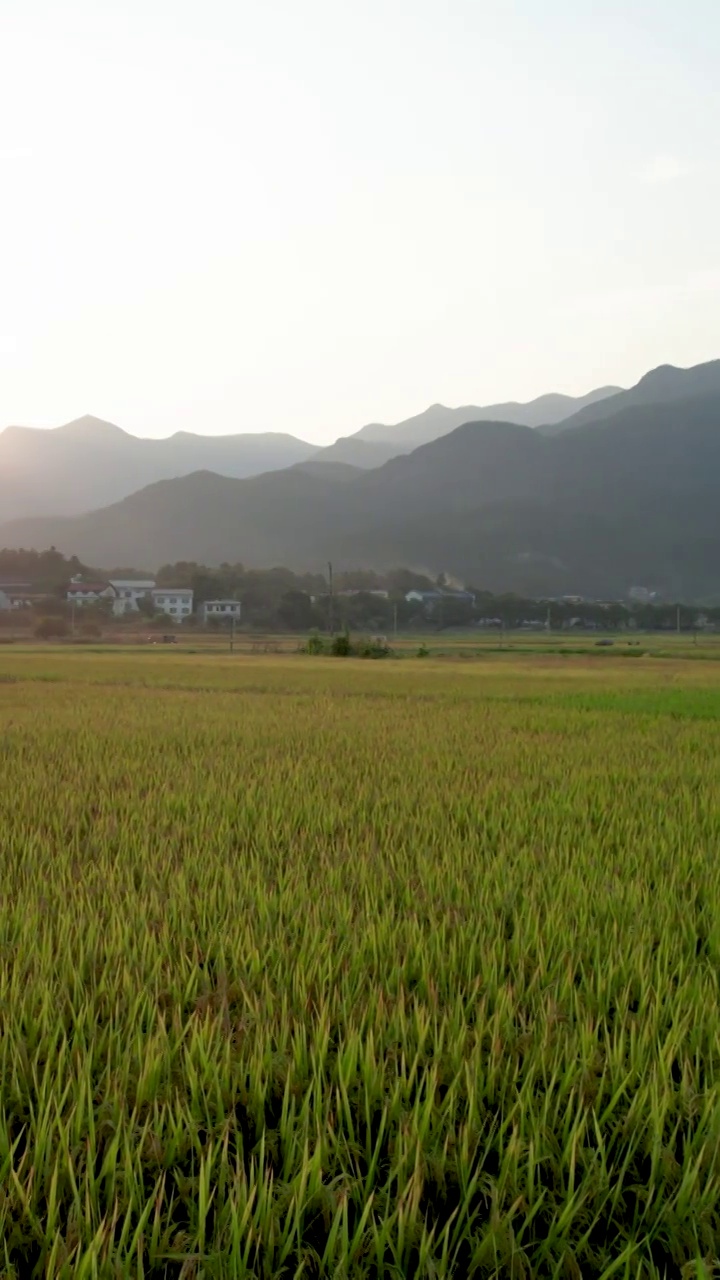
{"x": 316, "y": 969}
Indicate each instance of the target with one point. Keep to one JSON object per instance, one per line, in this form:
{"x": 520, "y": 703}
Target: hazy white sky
{"x": 247, "y": 215}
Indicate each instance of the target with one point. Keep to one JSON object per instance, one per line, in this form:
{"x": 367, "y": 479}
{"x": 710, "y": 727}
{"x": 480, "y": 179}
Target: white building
{"x": 222, "y": 610}
{"x": 176, "y": 602}
{"x": 82, "y": 593}
{"x": 365, "y": 591}
{"x": 15, "y": 595}
{"x": 432, "y": 598}
{"x": 423, "y": 597}
{"x": 128, "y": 591}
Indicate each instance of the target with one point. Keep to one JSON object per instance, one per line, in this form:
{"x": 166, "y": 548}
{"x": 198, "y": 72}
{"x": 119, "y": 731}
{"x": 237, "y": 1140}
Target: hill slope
{"x": 664, "y": 385}
{"x": 439, "y": 420}
{"x": 629, "y": 500}
{"x": 89, "y": 463}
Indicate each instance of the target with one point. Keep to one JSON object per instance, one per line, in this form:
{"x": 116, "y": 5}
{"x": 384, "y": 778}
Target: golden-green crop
{"x": 322, "y": 967}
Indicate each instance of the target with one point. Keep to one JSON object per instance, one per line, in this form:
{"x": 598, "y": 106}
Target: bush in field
{"x": 371, "y": 647}
{"x": 314, "y": 644}
{"x": 51, "y": 628}
{"x": 341, "y": 646}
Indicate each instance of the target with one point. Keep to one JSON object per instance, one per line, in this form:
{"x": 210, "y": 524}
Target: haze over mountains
{"x": 89, "y": 463}
{"x": 626, "y": 497}
{"x": 664, "y": 385}
{"x": 438, "y": 420}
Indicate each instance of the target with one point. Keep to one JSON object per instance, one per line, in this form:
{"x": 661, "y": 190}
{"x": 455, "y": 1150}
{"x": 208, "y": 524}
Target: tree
{"x": 99, "y": 609}
{"x": 400, "y": 581}
{"x": 146, "y": 606}
{"x": 359, "y": 580}
{"x": 296, "y": 611}
{"x": 365, "y": 612}
{"x": 451, "y": 612}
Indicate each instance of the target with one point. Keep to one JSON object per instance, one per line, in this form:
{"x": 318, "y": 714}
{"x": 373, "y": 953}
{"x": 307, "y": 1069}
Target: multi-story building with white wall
{"x": 82, "y": 593}
{"x": 221, "y": 610}
{"x": 176, "y": 602}
{"x": 128, "y": 591}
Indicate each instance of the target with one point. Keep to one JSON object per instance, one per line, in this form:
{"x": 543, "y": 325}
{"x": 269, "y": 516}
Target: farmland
{"x": 321, "y": 967}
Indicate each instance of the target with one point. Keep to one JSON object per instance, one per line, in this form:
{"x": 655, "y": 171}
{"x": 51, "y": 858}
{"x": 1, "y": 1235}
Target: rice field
{"x": 336, "y": 968}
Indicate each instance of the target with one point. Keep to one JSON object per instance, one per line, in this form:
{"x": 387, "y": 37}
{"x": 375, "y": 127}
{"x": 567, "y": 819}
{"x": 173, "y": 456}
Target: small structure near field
{"x": 220, "y": 611}
{"x": 88, "y": 593}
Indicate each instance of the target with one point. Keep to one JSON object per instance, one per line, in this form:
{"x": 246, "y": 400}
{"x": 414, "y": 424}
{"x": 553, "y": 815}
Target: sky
{"x": 249, "y": 215}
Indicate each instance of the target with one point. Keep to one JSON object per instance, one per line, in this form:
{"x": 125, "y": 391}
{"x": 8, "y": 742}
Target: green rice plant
{"x": 358, "y": 969}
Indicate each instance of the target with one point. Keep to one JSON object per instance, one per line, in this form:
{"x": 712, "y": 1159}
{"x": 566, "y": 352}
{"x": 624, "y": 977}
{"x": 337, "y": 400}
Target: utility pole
{"x": 678, "y": 619}
{"x": 331, "y": 617}
{"x": 232, "y": 634}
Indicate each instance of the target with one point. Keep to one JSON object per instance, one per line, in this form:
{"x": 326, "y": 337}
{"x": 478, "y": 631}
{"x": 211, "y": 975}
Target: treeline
{"x": 279, "y": 600}
{"x": 42, "y": 570}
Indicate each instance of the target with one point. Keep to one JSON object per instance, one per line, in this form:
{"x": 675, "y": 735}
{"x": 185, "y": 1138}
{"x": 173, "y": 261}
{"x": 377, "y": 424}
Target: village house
{"x": 424, "y": 598}
{"x": 365, "y": 591}
{"x": 86, "y": 593}
{"x": 16, "y": 595}
{"x": 175, "y": 602}
{"x": 20, "y": 596}
{"x": 128, "y": 591}
{"x": 221, "y": 610}
{"x": 432, "y": 598}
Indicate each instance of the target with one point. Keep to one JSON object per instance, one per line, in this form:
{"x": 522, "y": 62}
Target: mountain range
{"x": 439, "y": 421}
{"x": 625, "y": 494}
{"x": 89, "y": 463}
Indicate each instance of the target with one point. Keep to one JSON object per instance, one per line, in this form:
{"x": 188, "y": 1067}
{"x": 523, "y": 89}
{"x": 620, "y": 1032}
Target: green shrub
{"x": 314, "y": 644}
{"x": 341, "y": 646}
{"x": 372, "y": 647}
{"x": 51, "y": 628}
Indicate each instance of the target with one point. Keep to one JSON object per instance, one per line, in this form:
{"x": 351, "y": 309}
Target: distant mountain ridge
{"x": 627, "y": 498}
{"x": 663, "y": 385}
{"x": 90, "y": 463}
{"x": 438, "y": 420}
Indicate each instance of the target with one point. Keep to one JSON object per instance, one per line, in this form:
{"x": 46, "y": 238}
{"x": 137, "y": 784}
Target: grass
{"x": 357, "y": 969}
